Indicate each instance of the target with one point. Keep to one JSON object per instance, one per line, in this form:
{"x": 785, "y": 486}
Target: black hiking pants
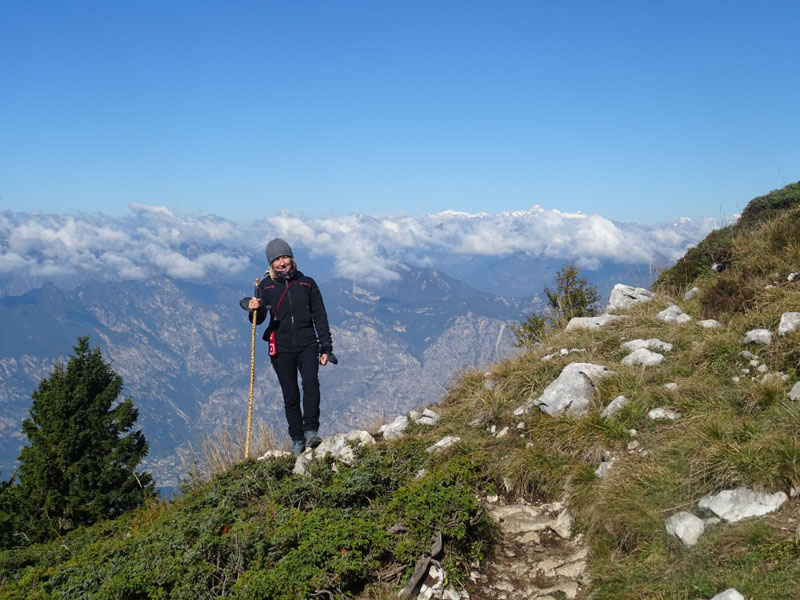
{"x": 287, "y": 365}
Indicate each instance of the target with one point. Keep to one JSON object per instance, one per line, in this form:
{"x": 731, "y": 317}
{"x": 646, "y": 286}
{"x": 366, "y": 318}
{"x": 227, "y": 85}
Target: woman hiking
{"x": 299, "y": 339}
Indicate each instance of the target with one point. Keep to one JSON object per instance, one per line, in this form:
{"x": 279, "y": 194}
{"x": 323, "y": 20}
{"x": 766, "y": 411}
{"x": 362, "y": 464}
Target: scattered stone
{"x": 794, "y": 394}
{"x": 673, "y": 314}
{"x": 633, "y": 432}
{"x": 433, "y": 587}
{"x": 754, "y": 363}
{"x": 489, "y": 384}
{"x": 643, "y": 357}
{"x": 790, "y": 321}
{"x": 592, "y": 322}
{"x": 429, "y": 417}
{"x": 735, "y": 379}
{"x": 661, "y": 414}
{"x": 632, "y": 446}
{"x": 686, "y": 527}
{"x": 729, "y": 594}
{"x": 793, "y": 276}
{"x": 758, "y": 336}
{"x": 396, "y": 429}
{"x": 444, "y": 443}
{"x": 604, "y": 468}
{"x": 616, "y": 405}
{"x": 762, "y": 368}
{"x": 502, "y": 433}
{"x": 625, "y": 296}
{"x": 709, "y": 324}
{"x": 747, "y": 355}
{"x": 339, "y": 446}
{"x": 691, "y": 293}
{"x": 274, "y": 454}
{"x": 521, "y": 425}
{"x": 740, "y": 503}
{"x": 672, "y": 386}
{"x": 571, "y": 393}
{"x": 651, "y": 344}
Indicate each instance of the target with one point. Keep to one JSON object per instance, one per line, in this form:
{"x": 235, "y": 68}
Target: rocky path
{"x": 537, "y": 557}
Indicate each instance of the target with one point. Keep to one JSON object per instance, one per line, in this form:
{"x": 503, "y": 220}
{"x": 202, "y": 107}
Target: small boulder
{"x": 605, "y": 468}
{"x": 709, "y": 324}
{"x": 274, "y": 454}
{"x": 691, "y": 293}
{"x": 592, "y": 322}
{"x": 625, "y": 296}
{"x": 443, "y": 444}
{"x": 428, "y": 417}
{"x": 758, "y": 336}
{"x": 396, "y": 429}
{"x": 686, "y": 527}
{"x": 643, "y": 357}
{"x": 790, "y": 321}
{"x": 663, "y": 414}
{"x": 616, "y": 405}
{"x": 673, "y": 314}
{"x": 339, "y": 446}
{"x": 571, "y": 393}
{"x": 794, "y": 394}
{"x": 740, "y": 503}
{"x": 671, "y": 386}
{"x": 729, "y": 594}
{"x": 651, "y": 344}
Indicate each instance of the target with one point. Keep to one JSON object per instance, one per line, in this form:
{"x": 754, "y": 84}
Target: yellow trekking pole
{"x": 252, "y": 379}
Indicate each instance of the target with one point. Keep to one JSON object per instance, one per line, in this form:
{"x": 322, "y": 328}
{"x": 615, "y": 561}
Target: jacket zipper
{"x": 291, "y": 317}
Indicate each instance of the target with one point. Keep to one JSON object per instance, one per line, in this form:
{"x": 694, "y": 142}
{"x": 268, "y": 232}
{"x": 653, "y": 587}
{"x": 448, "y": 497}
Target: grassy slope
{"x": 257, "y": 531}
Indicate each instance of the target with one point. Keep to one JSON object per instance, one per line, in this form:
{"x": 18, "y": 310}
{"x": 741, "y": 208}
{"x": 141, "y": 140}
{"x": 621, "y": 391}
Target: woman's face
{"x": 282, "y": 263}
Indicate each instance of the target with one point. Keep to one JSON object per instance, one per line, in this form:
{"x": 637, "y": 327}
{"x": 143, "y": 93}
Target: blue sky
{"x": 636, "y": 111}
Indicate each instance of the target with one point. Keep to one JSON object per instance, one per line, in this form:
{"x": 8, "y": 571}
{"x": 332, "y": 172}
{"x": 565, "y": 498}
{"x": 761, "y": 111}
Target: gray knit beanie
{"x": 277, "y": 248}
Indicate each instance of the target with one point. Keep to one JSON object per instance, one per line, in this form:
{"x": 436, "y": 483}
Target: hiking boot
{"x": 312, "y": 439}
{"x": 298, "y": 446}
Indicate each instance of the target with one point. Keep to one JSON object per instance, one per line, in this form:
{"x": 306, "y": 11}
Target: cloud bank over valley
{"x": 152, "y": 241}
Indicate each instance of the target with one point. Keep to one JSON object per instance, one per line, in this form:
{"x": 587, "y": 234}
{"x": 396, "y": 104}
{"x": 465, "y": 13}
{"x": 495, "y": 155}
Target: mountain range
{"x": 181, "y": 343}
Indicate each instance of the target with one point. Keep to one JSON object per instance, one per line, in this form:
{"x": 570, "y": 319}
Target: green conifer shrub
{"x": 79, "y": 465}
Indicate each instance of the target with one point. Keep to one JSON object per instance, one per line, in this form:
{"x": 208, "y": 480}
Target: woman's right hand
{"x": 255, "y": 303}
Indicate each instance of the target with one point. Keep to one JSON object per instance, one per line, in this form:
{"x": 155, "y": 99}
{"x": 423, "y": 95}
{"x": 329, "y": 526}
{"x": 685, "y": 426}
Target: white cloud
{"x": 153, "y": 241}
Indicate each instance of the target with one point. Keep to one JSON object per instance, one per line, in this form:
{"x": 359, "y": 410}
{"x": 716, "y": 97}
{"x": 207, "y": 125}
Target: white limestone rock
{"x": 729, "y": 594}
{"x": 571, "y": 393}
{"x": 339, "y": 446}
{"x": 691, "y": 293}
{"x": 429, "y": 417}
{"x": 709, "y": 324}
{"x": 592, "y": 322}
{"x": 672, "y": 386}
{"x": 686, "y": 527}
{"x": 625, "y": 296}
{"x": 747, "y": 355}
{"x": 616, "y": 405}
{"x": 643, "y": 357}
{"x": 604, "y": 468}
{"x": 651, "y": 344}
{"x": 274, "y": 454}
{"x": 790, "y": 321}
{"x": 740, "y": 503}
{"x": 673, "y": 314}
{"x": 444, "y": 443}
{"x": 794, "y": 394}
{"x": 758, "y": 336}
{"x": 396, "y": 429}
{"x": 663, "y": 414}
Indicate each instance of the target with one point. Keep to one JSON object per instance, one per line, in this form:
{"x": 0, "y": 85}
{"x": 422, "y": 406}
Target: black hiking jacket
{"x": 300, "y": 320}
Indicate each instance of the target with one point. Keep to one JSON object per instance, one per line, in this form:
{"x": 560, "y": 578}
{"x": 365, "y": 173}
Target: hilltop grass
{"x": 255, "y": 530}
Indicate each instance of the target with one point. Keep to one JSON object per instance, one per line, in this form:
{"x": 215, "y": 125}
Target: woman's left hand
{"x": 323, "y": 359}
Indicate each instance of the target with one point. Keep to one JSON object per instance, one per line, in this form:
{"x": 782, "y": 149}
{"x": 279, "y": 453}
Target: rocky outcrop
{"x": 537, "y": 557}
{"x": 571, "y": 393}
{"x": 625, "y": 296}
{"x": 740, "y": 503}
